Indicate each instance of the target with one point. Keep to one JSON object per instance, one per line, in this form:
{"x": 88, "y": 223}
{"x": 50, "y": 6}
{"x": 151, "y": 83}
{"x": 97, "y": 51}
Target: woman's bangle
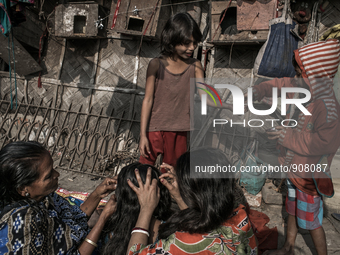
{"x": 140, "y": 230}
{"x": 91, "y": 242}
{"x": 135, "y": 228}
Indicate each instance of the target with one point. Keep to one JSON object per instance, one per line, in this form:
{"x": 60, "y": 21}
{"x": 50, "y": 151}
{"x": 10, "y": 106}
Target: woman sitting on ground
{"x": 206, "y": 224}
{"x": 125, "y": 217}
{"x": 33, "y": 218}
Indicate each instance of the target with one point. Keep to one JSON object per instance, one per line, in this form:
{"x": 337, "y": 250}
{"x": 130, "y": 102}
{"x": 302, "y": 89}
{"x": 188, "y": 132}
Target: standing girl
{"x": 165, "y": 116}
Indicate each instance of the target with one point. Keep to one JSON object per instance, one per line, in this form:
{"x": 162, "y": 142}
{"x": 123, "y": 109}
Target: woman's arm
{"x": 143, "y": 221}
{"x": 148, "y": 196}
{"x": 147, "y": 106}
{"x": 153, "y": 229}
{"x": 35, "y": 228}
{"x": 90, "y": 242}
{"x": 103, "y": 190}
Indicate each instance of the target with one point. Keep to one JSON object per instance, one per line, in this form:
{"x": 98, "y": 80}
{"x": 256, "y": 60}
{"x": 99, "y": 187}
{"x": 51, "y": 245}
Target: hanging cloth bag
{"x": 275, "y": 57}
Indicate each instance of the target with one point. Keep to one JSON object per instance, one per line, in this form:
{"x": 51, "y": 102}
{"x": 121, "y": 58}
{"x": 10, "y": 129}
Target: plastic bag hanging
{"x": 252, "y": 181}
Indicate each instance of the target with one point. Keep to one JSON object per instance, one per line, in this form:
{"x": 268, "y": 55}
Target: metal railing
{"x": 85, "y": 142}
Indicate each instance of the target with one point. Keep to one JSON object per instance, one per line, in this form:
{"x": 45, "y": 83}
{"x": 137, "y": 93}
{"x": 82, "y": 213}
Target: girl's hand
{"x": 168, "y": 168}
{"x": 148, "y": 194}
{"x": 102, "y": 190}
{"x": 144, "y": 147}
{"x": 165, "y": 168}
{"x": 272, "y": 135}
{"x": 106, "y": 187}
{"x": 109, "y": 209}
{"x": 172, "y": 185}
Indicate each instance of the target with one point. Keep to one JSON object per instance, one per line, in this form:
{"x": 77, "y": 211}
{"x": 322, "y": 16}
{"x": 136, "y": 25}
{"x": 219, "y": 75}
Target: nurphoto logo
{"x": 239, "y": 99}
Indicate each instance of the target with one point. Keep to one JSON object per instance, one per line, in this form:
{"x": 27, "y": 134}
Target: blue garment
{"x": 5, "y": 23}
{"x": 49, "y": 227}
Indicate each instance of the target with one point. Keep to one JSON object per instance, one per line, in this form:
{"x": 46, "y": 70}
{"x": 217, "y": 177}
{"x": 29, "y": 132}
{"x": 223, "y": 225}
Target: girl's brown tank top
{"x": 171, "y": 104}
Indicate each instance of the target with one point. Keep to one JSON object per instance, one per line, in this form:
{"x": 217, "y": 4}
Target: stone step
{"x": 270, "y": 195}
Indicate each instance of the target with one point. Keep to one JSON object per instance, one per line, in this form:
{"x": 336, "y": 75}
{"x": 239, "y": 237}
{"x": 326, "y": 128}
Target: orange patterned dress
{"x": 235, "y": 236}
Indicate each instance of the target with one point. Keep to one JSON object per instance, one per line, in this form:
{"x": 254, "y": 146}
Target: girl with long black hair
{"x": 206, "y": 223}
{"x": 128, "y": 208}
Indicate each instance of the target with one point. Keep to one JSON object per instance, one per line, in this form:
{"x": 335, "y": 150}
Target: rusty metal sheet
{"x": 255, "y": 15}
{"x": 24, "y": 62}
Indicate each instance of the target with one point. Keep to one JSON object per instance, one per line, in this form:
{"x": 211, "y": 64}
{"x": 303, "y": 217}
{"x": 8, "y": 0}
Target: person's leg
{"x": 310, "y": 216}
{"x": 319, "y": 240}
{"x": 175, "y": 144}
{"x": 292, "y": 227}
{"x": 156, "y": 147}
{"x": 292, "y": 230}
{"x": 288, "y": 247}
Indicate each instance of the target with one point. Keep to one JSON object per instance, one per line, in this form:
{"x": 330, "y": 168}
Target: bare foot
{"x": 282, "y": 251}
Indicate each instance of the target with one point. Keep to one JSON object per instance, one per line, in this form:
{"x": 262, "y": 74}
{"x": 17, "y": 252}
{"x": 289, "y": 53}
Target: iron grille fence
{"x": 86, "y": 142}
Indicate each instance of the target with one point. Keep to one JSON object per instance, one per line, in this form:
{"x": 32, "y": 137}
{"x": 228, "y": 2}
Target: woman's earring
{"x": 27, "y": 194}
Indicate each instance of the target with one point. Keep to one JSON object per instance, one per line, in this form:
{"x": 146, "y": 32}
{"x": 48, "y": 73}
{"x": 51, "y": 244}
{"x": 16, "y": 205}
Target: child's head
{"x": 126, "y": 197}
{"x": 126, "y": 215}
{"x": 298, "y": 76}
{"x": 180, "y": 29}
{"x": 202, "y": 192}
{"x": 210, "y": 198}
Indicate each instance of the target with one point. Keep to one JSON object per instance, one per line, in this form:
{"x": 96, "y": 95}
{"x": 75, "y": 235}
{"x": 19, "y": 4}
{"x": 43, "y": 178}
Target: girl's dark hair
{"x": 178, "y": 30}
{"x": 210, "y": 201}
{"x": 124, "y": 219}
{"x": 19, "y": 162}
